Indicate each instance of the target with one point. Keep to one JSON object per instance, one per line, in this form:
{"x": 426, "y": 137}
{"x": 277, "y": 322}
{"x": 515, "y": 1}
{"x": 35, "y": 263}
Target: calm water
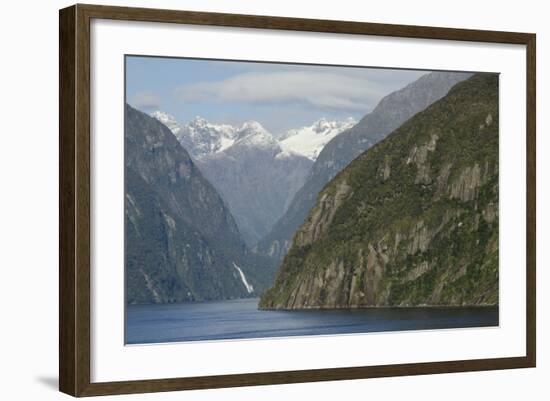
{"x": 241, "y": 319}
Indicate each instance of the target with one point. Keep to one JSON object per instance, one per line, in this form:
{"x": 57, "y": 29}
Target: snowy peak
{"x": 202, "y": 138}
{"x": 199, "y": 128}
{"x": 253, "y": 127}
{"x": 168, "y": 120}
{"x": 198, "y": 123}
{"x": 253, "y": 134}
{"x": 325, "y": 127}
{"x": 199, "y": 137}
{"x": 310, "y": 140}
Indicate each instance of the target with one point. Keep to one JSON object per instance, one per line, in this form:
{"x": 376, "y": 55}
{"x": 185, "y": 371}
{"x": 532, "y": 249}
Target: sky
{"x": 279, "y": 96}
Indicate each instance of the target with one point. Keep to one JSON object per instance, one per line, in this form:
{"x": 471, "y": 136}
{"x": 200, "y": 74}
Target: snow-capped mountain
{"x": 168, "y": 120}
{"x": 199, "y": 137}
{"x": 202, "y": 138}
{"x": 310, "y": 140}
{"x": 256, "y": 174}
{"x": 256, "y": 178}
{"x": 253, "y": 134}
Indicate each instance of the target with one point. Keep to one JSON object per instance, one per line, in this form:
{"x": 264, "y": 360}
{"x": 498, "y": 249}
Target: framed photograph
{"x": 250, "y": 200}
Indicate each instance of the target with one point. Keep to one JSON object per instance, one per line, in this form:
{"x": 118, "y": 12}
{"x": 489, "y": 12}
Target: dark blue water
{"x": 241, "y": 319}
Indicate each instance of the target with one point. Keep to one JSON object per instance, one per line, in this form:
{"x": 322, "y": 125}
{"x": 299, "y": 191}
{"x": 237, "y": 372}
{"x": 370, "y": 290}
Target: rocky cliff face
{"x": 412, "y": 221}
{"x": 181, "y": 242}
{"x": 392, "y": 111}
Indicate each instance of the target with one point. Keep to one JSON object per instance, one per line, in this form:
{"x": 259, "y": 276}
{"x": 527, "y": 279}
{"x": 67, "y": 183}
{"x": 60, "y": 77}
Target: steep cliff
{"x": 412, "y": 221}
{"x": 392, "y": 111}
{"x": 181, "y": 242}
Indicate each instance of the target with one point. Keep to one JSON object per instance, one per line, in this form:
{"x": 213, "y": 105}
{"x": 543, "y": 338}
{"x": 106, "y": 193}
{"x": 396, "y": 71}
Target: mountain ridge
{"x": 392, "y": 111}
{"x": 413, "y": 221}
{"x": 306, "y": 141}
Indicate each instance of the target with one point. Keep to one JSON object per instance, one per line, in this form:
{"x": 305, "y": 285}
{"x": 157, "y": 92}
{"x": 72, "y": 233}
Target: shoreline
{"x": 319, "y": 308}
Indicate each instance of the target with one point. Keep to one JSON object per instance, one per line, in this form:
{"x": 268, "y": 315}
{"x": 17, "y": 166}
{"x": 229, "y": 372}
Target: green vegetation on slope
{"x": 412, "y": 221}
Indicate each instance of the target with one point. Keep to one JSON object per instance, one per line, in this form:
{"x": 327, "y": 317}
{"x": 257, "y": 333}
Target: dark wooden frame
{"x": 74, "y": 199}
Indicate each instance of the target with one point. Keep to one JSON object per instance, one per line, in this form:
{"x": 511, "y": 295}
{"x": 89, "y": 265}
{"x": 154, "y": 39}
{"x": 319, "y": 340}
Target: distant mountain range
{"x": 202, "y": 138}
{"x": 256, "y": 174}
{"x": 392, "y": 111}
{"x": 181, "y": 241}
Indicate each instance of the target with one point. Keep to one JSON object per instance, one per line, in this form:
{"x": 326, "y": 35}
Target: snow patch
{"x": 285, "y": 154}
{"x": 310, "y": 140}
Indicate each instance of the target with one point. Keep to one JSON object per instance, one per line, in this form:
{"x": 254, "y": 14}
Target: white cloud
{"x": 145, "y": 101}
{"x": 325, "y": 90}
